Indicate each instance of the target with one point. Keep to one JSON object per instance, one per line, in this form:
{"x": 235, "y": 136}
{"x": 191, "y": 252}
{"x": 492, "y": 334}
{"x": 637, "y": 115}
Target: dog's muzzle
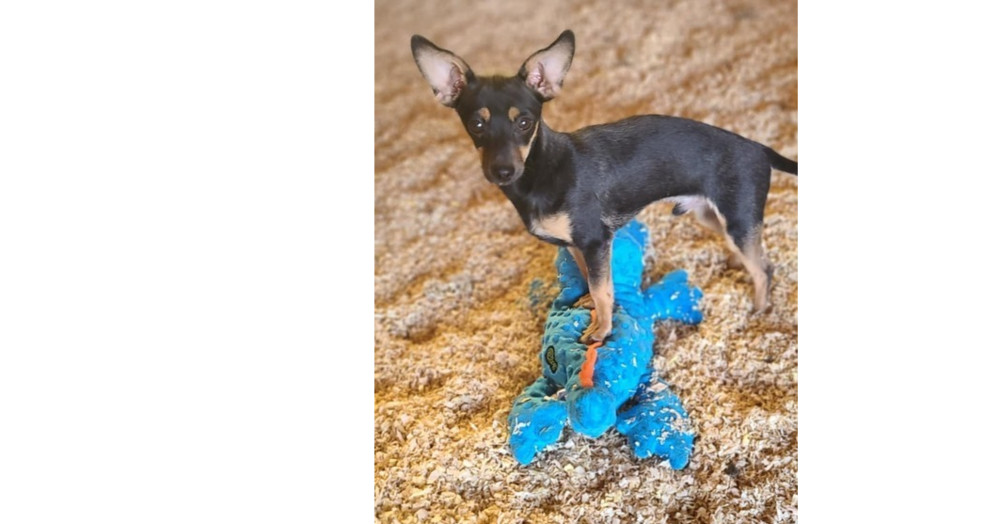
{"x": 502, "y": 175}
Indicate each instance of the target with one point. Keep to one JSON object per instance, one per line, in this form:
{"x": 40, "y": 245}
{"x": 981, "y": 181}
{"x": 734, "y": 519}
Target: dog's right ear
{"x": 444, "y": 71}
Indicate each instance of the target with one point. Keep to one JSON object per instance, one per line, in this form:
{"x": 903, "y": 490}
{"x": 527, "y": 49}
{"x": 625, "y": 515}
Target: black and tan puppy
{"x": 575, "y": 189}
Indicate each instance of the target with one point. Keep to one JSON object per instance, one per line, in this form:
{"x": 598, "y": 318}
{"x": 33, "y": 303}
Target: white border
{"x": 186, "y": 280}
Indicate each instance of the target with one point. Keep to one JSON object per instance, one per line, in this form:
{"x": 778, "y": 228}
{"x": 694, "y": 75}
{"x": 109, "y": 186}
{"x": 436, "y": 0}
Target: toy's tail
{"x": 781, "y": 163}
{"x": 673, "y": 298}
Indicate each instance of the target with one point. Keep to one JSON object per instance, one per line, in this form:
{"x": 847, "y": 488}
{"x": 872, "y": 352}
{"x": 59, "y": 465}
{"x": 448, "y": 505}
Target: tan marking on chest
{"x": 555, "y": 226}
{"x": 485, "y": 113}
{"x": 524, "y": 150}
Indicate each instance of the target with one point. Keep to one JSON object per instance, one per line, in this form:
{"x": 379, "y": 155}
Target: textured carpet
{"x": 458, "y": 321}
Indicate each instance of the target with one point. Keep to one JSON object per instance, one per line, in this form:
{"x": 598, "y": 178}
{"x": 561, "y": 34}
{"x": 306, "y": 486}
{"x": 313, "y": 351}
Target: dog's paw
{"x": 761, "y": 309}
{"x": 586, "y": 302}
{"x": 597, "y": 331}
{"x": 733, "y": 262}
{"x": 594, "y": 336}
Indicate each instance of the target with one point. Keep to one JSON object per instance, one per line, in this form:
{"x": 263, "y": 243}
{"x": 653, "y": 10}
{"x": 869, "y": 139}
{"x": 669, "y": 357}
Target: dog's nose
{"x": 503, "y": 173}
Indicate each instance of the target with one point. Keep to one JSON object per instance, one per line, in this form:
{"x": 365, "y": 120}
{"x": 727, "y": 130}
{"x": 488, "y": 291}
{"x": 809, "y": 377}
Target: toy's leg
{"x": 674, "y": 298}
{"x": 536, "y": 419}
{"x": 657, "y": 424}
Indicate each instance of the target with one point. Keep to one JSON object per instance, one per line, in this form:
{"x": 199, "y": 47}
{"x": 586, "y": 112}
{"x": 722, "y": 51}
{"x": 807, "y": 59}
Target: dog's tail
{"x": 781, "y": 163}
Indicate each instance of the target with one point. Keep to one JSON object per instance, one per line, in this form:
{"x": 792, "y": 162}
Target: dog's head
{"x": 501, "y": 114}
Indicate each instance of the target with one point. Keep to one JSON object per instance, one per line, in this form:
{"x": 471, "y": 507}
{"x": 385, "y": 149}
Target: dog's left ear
{"x": 545, "y": 70}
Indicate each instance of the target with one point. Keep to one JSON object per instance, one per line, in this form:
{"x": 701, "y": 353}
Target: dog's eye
{"x": 524, "y": 123}
{"x": 476, "y": 127}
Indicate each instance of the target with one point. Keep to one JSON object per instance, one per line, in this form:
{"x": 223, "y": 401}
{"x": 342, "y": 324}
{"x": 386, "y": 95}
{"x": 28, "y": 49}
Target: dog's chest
{"x": 555, "y": 226}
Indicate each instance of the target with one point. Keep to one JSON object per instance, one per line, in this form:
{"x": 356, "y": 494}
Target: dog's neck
{"x": 540, "y": 189}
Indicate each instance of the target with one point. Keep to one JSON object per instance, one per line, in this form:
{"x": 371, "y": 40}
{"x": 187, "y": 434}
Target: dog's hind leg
{"x": 743, "y": 237}
{"x": 741, "y": 209}
{"x": 708, "y": 216}
{"x": 751, "y": 254}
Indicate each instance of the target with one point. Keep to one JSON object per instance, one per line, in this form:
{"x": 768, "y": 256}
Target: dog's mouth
{"x": 503, "y": 178}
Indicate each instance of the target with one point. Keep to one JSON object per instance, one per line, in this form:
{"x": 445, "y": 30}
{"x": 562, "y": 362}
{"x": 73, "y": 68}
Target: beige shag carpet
{"x": 456, "y": 333}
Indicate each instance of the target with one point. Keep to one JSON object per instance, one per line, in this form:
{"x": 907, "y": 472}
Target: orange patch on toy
{"x": 590, "y": 359}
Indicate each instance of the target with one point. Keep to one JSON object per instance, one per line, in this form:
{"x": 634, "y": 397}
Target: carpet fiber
{"x": 462, "y": 290}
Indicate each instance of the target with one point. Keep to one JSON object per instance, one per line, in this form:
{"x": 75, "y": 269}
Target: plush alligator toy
{"x": 597, "y": 387}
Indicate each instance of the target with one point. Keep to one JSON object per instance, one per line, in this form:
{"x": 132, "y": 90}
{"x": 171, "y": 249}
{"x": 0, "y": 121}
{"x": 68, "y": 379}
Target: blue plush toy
{"x": 617, "y": 389}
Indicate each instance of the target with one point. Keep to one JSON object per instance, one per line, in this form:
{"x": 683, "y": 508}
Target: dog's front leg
{"x": 602, "y": 291}
{"x": 581, "y": 262}
{"x": 585, "y": 301}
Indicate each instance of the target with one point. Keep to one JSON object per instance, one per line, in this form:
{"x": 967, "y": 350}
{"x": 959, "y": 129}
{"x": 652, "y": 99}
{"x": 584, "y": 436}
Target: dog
{"x": 576, "y": 189}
